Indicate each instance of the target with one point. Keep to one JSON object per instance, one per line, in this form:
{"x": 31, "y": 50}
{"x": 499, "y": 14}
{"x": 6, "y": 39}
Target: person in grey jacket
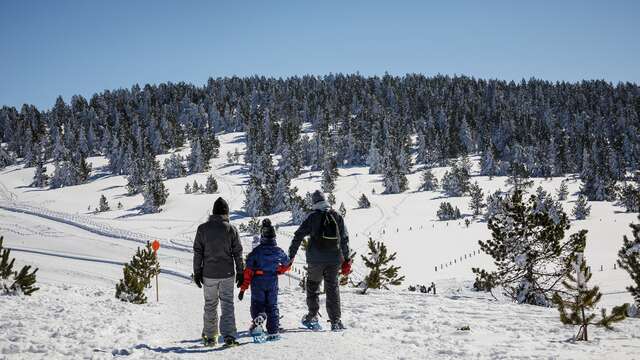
{"x": 217, "y": 261}
{"x": 326, "y": 259}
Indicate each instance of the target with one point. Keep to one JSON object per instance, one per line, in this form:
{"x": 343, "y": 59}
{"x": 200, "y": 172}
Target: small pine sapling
{"x": 342, "y": 210}
{"x": 137, "y": 275}
{"x": 579, "y": 299}
{"x": 187, "y": 189}
{"x": 363, "y": 202}
{"x": 629, "y": 260}
{"x": 15, "y": 282}
{"x": 103, "y": 205}
{"x": 382, "y": 273}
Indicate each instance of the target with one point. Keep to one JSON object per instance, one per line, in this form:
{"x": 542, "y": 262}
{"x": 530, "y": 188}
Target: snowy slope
{"x": 79, "y": 254}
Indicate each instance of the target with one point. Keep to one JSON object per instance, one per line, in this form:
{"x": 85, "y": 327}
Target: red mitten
{"x": 246, "y": 281}
{"x": 283, "y": 268}
{"x": 346, "y": 267}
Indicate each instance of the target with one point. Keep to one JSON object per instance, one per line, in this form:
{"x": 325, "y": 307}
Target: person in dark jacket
{"x": 264, "y": 264}
{"x": 327, "y": 257}
{"x": 217, "y": 259}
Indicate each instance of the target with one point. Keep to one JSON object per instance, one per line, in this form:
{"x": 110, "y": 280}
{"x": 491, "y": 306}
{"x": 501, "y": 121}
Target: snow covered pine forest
{"x": 482, "y": 189}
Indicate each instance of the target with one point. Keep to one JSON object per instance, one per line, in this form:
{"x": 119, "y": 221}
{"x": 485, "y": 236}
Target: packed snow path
{"x": 88, "y": 322}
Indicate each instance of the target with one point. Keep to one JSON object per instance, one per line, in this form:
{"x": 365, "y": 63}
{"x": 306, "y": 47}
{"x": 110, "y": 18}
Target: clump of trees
{"x": 446, "y": 211}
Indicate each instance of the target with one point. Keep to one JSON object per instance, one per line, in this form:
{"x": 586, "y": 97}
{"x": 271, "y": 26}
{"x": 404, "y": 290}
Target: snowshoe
{"x": 257, "y": 329}
{"x": 311, "y": 323}
{"x": 273, "y": 337}
{"x": 337, "y": 326}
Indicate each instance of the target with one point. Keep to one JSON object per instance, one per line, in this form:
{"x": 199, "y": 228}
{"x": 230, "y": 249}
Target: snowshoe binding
{"x": 311, "y": 323}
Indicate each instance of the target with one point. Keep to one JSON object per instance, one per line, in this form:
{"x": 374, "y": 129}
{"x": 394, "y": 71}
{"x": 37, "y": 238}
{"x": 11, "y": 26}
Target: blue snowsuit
{"x": 264, "y": 262}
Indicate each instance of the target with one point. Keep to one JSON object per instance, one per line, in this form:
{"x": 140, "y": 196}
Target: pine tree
{"x": 494, "y": 204}
{"x": 363, "y": 202}
{"x": 187, "y": 189}
{"x": 40, "y": 177}
{"x": 629, "y": 198}
{"x": 374, "y": 160}
{"x": 253, "y": 203}
{"x": 198, "y": 161}
{"x": 579, "y": 300}
{"x": 299, "y": 210}
{"x": 15, "y": 282}
{"x": 429, "y": 181}
{"x": 103, "y": 205}
{"x": 457, "y": 181}
{"x": 629, "y": 260}
{"x": 137, "y": 275}
{"x": 563, "y": 191}
{"x": 331, "y": 199}
{"x": 155, "y": 194}
{"x": 382, "y": 273}
{"x": 477, "y": 199}
{"x": 174, "y": 167}
{"x": 342, "y": 210}
{"x": 582, "y": 208}
{"x": 528, "y": 250}
{"x": 281, "y": 197}
{"x": 195, "y": 188}
{"x": 212, "y": 185}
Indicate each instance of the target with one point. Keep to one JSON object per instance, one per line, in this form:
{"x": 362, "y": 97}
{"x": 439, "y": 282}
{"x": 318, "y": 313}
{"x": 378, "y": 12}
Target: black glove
{"x": 197, "y": 278}
{"x": 241, "y": 295}
{"x": 239, "y": 279}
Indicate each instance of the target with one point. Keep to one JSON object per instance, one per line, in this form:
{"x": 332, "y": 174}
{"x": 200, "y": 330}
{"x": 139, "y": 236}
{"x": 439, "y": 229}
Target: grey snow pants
{"x": 219, "y": 290}
{"x": 329, "y": 273}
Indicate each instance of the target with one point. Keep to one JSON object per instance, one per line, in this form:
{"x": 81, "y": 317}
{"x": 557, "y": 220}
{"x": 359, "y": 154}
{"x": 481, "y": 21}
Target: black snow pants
{"x": 329, "y": 273}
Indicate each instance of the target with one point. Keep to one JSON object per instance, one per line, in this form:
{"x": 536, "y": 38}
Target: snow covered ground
{"x": 79, "y": 253}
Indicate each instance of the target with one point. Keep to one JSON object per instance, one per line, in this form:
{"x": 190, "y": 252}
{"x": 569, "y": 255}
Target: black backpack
{"x": 329, "y": 232}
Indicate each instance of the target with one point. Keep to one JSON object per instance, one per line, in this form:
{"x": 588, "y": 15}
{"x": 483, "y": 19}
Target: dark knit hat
{"x": 267, "y": 230}
{"x": 317, "y": 197}
{"x": 220, "y": 207}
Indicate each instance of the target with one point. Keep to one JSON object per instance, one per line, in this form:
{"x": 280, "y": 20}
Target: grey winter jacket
{"x": 316, "y": 252}
{"x": 217, "y": 248}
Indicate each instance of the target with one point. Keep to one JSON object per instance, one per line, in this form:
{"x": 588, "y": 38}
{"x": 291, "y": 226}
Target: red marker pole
{"x": 155, "y": 245}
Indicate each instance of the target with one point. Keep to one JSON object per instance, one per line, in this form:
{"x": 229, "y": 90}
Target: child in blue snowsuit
{"x": 263, "y": 266}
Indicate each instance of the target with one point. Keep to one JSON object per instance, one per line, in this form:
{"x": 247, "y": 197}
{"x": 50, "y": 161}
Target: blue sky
{"x": 51, "y": 48}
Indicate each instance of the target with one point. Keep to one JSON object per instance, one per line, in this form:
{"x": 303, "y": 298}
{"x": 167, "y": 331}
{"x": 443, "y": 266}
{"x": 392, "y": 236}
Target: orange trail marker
{"x": 155, "y": 245}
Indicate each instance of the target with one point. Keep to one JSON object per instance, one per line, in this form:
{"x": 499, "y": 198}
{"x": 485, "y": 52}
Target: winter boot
{"x": 210, "y": 341}
{"x": 336, "y": 325}
{"x": 311, "y": 322}
{"x": 230, "y": 341}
